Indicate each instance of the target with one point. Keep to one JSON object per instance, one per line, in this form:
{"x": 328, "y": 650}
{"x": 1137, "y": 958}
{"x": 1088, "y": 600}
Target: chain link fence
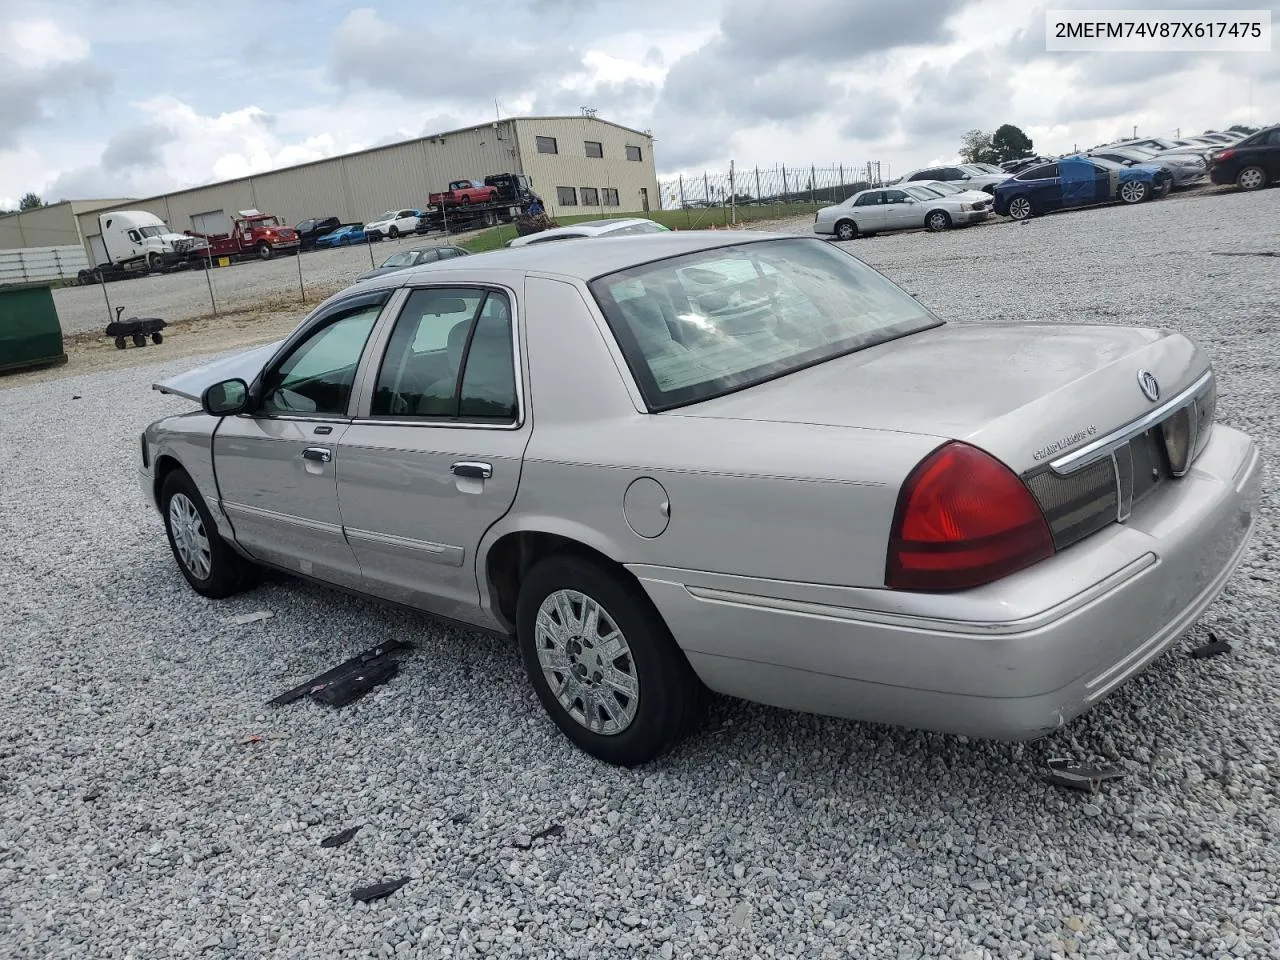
{"x": 780, "y": 184}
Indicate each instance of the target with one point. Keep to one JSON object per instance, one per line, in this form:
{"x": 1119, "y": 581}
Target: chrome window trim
{"x": 1096, "y": 449}
{"x": 376, "y": 348}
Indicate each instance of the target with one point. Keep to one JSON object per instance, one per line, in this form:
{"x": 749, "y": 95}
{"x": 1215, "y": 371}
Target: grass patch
{"x": 699, "y": 219}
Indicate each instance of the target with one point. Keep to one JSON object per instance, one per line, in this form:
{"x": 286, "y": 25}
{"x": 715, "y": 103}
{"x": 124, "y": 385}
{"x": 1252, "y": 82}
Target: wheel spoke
{"x": 623, "y": 683}
{"x": 564, "y": 608}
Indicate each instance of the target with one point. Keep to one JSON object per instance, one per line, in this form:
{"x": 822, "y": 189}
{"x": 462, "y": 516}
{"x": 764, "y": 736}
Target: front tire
{"x": 264, "y": 251}
{"x": 603, "y": 663}
{"x": 937, "y": 221}
{"x": 1020, "y": 208}
{"x": 207, "y": 561}
{"x": 1251, "y": 177}
{"x": 1135, "y": 191}
{"x": 394, "y": 233}
{"x": 846, "y": 230}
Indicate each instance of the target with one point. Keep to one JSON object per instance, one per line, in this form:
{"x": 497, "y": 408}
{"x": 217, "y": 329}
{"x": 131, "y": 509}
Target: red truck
{"x": 253, "y": 234}
{"x": 463, "y": 193}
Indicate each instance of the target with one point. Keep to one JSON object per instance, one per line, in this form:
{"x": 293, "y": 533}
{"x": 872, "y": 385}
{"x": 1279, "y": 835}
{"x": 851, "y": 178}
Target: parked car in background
{"x": 973, "y": 176}
{"x": 312, "y": 229}
{"x": 415, "y": 257}
{"x": 392, "y": 223}
{"x": 1251, "y": 163}
{"x": 1187, "y": 170}
{"x": 1167, "y": 147}
{"x": 342, "y": 237}
{"x": 960, "y": 191}
{"x": 1079, "y": 181}
{"x": 1011, "y": 167}
{"x": 561, "y": 443}
{"x": 616, "y": 227}
{"x": 907, "y": 207}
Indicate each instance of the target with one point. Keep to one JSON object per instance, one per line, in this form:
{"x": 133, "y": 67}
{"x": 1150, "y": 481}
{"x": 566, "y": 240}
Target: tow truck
{"x": 253, "y": 234}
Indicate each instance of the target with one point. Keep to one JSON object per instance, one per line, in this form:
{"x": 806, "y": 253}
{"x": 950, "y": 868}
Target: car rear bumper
{"x": 1223, "y": 175}
{"x": 1013, "y": 660}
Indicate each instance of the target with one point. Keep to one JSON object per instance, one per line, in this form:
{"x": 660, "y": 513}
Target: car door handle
{"x": 319, "y": 454}
{"x": 471, "y": 468}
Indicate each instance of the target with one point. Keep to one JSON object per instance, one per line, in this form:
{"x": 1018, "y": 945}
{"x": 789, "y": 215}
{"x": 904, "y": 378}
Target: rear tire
{"x": 120, "y": 343}
{"x": 846, "y": 230}
{"x": 157, "y": 338}
{"x": 582, "y": 664}
{"x": 209, "y": 564}
{"x": 1251, "y": 177}
{"x": 139, "y": 340}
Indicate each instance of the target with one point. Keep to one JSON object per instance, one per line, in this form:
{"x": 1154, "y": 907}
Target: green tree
{"x": 30, "y": 201}
{"x": 975, "y": 147}
{"x": 1009, "y": 143}
{"x": 1243, "y": 128}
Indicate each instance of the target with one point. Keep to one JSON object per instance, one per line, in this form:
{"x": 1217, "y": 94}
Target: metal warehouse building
{"x": 576, "y": 164}
{"x": 56, "y": 225}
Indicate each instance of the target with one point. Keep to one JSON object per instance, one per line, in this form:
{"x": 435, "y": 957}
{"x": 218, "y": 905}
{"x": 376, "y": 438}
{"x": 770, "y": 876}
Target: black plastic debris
{"x": 460, "y": 818}
{"x": 1080, "y": 776}
{"x": 378, "y": 891}
{"x": 338, "y": 839}
{"x": 350, "y": 680}
{"x": 555, "y": 830}
{"x": 1213, "y": 648}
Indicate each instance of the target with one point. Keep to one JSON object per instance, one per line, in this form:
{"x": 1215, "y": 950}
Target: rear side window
{"x": 450, "y": 357}
{"x": 869, "y": 199}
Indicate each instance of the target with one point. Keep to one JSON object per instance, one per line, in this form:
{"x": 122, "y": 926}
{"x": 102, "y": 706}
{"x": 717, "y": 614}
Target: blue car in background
{"x": 1079, "y": 181}
{"x": 342, "y": 237}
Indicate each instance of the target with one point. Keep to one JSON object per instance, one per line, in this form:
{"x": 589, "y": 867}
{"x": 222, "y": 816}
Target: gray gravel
{"x": 134, "y": 822}
{"x": 241, "y": 286}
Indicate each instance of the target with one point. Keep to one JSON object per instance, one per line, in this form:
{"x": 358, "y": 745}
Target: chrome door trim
{"x": 230, "y": 507}
{"x": 1104, "y": 445}
{"x": 443, "y": 553}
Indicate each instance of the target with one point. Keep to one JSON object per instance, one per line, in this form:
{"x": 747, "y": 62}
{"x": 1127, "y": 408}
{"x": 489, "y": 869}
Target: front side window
{"x": 546, "y": 144}
{"x": 450, "y": 357}
{"x": 567, "y": 196}
{"x": 593, "y": 149}
{"x": 633, "y": 153}
{"x": 316, "y": 377}
{"x": 590, "y": 197}
{"x": 895, "y": 196}
{"x": 700, "y": 325}
{"x": 1045, "y": 172}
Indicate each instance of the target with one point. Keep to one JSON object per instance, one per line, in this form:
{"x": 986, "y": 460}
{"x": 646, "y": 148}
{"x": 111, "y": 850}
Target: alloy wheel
{"x": 1020, "y": 208}
{"x": 189, "y": 536}
{"x": 586, "y": 661}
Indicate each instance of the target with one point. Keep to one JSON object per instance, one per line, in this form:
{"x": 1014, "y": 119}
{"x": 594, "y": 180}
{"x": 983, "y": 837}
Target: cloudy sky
{"x": 159, "y": 94}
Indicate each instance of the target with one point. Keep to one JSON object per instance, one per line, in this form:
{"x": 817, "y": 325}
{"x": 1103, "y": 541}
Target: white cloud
{"x": 38, "y": 44}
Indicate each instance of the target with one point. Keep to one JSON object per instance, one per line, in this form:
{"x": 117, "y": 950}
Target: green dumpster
{"x": 30, "y": 334}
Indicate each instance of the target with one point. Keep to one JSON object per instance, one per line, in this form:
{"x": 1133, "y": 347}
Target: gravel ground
{"x": 134, "y": 820}
{"x": 242, "y": 286}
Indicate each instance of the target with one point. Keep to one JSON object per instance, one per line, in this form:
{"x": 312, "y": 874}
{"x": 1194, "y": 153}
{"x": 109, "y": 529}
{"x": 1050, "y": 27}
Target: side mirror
{"x": 966, "y": 177}
{"x": 225, "y": 399}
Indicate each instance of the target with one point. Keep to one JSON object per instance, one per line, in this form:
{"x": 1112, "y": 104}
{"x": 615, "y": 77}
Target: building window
{"x": 610, "y": 197}
{"x": 567, "y": 196}
{"x": 633, "y": 153}
{"x": 594, "y": 149}
{"x": 547, "y": 145}
{"x": 590, "y": 197}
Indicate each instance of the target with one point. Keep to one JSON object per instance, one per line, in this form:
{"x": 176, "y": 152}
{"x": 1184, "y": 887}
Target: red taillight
{"x": 963, "y": 519}
{"x": 1223, "y": 156}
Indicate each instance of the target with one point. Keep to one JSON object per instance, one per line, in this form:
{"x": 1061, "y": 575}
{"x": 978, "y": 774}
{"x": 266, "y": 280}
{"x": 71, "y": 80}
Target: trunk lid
{"x": 1024, "y": 392}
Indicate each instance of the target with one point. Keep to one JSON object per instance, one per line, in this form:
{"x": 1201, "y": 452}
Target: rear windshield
{"x": 701, "y": 325}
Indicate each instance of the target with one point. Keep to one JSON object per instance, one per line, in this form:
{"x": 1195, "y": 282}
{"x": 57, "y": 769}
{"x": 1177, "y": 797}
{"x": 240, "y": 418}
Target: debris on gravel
{"x": 135, "y": 823}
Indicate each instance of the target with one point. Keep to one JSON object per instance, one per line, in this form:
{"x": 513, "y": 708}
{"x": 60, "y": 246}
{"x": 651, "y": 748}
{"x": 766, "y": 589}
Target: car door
{"x": 868, "y": 211}
{"x": 276, "y": 467}
{"x": 433, "y": 457}
{"x": 901, "y": 211}
{"x": 1043, "y": 186}
{"x": 1269, "y": 156}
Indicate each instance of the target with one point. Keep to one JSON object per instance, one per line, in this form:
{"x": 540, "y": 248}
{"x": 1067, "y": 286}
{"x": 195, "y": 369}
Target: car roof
{"x": 581, "y": 261}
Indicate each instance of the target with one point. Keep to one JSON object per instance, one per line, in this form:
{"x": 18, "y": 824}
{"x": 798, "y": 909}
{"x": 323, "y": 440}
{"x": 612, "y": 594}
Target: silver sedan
{"x": 743, "y": 463}
{"x": 908, "y": 207}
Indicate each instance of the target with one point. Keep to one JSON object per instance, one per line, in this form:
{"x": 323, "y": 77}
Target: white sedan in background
{"x": 908, "y": 207}
{"x": 615, "y": 227}
{"x": 956, "y": 191}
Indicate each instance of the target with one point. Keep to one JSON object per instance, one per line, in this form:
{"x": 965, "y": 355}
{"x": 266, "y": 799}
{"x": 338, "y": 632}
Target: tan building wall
{"x": 570, "y": 166}
{"x": 358, "y": 186}
{"x": 51, "y": 226}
